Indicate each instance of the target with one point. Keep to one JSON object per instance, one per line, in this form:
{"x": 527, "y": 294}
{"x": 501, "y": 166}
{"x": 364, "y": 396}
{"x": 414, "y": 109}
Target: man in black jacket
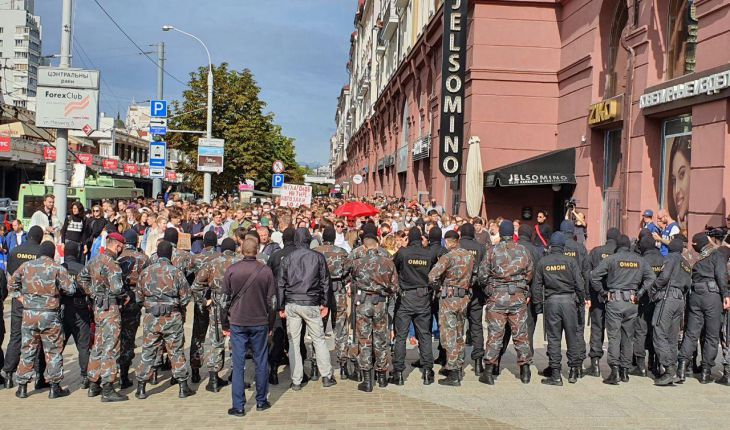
{"x": 644, "y": 330}
{"x": 475, "y": 310}
{"x": 279, "y": 341}
{"x": 437, "y": 250}
{"x": 303, "y": 288}
{"x": 413, "y": 305}
{"x": 76, "y": 315}
{"x": 19, "y": 255}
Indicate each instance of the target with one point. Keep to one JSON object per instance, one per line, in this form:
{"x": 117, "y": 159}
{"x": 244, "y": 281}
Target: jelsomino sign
{"x": 452, "y": 87}
{"x": 67, "y": 98}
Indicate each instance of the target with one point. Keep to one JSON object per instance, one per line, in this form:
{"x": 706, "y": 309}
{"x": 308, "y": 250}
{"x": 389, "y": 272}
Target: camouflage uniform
{"x": 164, "y": 292}
{"x": 356, "y": 254}
{"x": 453, "y": 273}
{"x": 102, "y": 280}
{"x": 40, "y": 283}
{"x": 208, "y": 284}
{"x": 200, "y": 313}
{"x": 336, "y": 258}
{"x": 132, "y": 311}
{"x": 505, "y": 274}
{"x": 374, "y": 278}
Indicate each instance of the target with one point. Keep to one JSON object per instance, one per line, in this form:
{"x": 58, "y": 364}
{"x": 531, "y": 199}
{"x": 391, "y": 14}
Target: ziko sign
{"x": 452, "y": 87}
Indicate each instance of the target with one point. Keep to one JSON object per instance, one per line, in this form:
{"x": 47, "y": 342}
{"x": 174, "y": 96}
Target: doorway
{"x": 611, "y": 181}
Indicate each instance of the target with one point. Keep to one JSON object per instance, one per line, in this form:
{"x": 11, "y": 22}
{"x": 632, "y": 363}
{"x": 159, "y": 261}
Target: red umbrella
{"x": 355, "y": 210}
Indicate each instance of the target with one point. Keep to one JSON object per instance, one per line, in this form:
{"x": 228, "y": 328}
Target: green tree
{"x": 253, "y": 140}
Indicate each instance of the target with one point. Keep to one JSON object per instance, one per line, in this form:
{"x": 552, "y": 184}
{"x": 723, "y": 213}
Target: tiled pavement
{"x": 508, "y": 404}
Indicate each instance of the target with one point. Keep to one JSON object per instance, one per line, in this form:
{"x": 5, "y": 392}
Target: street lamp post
{"x": 209, "y": 127}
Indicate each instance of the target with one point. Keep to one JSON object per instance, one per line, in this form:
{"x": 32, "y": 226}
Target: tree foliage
{"x": 253, "y": 140}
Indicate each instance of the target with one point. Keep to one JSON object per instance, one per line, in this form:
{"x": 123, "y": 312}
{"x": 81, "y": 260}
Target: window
{"x": 1, "y": 30}
{"x": 682, "y": 38}
{"x": 617, "y": 55}
{"x": 676, "y": 161}
{"x": 21, "y": 54}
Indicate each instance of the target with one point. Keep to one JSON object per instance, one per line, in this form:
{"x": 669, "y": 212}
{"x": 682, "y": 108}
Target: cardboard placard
{"x": 294, "y": 196}
{"x": 184, "y": 241}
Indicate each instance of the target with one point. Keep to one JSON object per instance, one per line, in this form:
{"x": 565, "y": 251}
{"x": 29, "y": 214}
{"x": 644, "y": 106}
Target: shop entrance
{"x": 611, "y": 181}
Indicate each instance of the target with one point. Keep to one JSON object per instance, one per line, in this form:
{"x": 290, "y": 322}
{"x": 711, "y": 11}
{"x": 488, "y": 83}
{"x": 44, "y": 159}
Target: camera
{"x": 570, "y": 203}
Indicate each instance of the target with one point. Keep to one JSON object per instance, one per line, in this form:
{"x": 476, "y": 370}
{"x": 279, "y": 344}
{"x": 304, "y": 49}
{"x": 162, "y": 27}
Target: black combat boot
{"x": 478, "y": 366}
{"x": 94, "y": 389}
{"x": 367, "y": 381}
{"x": 725, "y": 378}
{"x": 22, "y": 392}
{"x": 2, "y": 381}
{"x": 681, "y": 371}
{"x": 613, "y": 378}
{"x": 274, "y": 375}
{"x": 706, "y": 375}
{"x": 41, "y": 383}
{"x": 595, "y": 369}
{"x": 623, "y": 374}
{"x": 85, "y": 382}
{"x": 397, "y": 378}
{"x": 573, "y": 375}
{"x": 555, "y": 378}
{"x": 124, "y": 381}
{"x": 452, "y": 379}
{"x": 213, "y": 386}
{"x": 154, "y": 379}
{"x": 443, "y": 371}
{"x": 487, "y": 377}
{"x": 344, "y": 374}
{"x": 525, "y": 373}
{"x": 666, "y": 378}
{"x": 56, "y": 391}
{"x": 9, "y": 380}
{"x": 315, "y": 372}
{"x": 195, "y": 375}
{"x": 428, "y": 377}
{"x": 109, "y": 394}
{"x": 382, "y": 379}
{"x": 185, "y": 390}
{"x": 640, "y": 369}
{"x": 546, "y": 371}
{"x": 141, "y": 393}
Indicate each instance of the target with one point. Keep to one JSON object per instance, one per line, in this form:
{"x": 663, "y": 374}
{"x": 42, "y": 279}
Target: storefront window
{"x": 682, "y": 38}
{"x": 611, "y": 180}
{"x": 676, "y": 161}
{"x": 617, "y": 56}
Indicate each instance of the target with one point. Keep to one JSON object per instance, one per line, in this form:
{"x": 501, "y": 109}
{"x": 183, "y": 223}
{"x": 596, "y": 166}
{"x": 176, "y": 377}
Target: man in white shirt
{"x": 340, "y": 239}
{"x": 45, "y": 218}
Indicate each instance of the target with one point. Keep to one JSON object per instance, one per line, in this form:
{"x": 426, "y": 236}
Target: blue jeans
{"x": 241, "y": 338}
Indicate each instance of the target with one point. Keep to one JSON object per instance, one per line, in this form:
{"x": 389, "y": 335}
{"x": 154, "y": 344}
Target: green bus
{"x": 95, "y": 189}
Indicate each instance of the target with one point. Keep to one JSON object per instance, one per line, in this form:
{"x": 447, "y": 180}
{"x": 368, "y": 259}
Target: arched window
{"x": 617, "y": 56}
{"x": 682, "y": 38}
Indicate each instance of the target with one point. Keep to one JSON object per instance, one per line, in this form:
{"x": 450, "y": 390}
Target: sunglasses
{"x": 340, "y": 226}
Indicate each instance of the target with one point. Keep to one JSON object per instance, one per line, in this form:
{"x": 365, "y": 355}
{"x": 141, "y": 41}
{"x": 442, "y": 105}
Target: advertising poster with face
{"x": 677, "y": 172}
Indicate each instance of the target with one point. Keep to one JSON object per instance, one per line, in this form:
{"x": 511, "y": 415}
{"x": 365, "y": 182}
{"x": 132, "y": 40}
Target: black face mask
{"x": 699, "y": 241}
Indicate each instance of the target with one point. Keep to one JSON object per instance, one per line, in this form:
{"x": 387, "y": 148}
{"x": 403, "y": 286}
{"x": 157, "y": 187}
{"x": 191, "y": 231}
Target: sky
{"x": 297, "y": 50}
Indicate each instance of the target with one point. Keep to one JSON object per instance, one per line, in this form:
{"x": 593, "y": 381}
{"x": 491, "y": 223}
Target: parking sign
{"x": 277, "y": 180}
{"x": 158, "y": 108}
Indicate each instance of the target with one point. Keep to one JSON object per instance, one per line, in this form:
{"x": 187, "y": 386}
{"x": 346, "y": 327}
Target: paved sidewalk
{"x": 508, "y": 404}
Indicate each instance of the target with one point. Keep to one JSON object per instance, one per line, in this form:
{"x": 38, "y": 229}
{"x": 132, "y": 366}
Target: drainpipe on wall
{"x": 628, "y": 126}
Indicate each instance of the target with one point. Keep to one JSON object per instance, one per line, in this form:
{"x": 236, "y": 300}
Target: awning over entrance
{"x": 556, "y": 167}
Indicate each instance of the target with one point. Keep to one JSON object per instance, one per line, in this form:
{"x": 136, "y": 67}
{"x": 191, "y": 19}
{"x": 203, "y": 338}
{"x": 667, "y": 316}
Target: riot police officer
{"x": 413, "y": 305}
{"x": 558, "y": 288}
{"x": 670, "y": 287}
{"x": 706, "y": 302}
{"x": 475, "y": 311}
{"x": 624, "y": 272}
{"x": 643, "y": 333}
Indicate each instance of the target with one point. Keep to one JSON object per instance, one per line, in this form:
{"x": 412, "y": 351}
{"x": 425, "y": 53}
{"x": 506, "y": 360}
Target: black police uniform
{"x": 598, "y": 306}
{"x": 3, "y": 296}
{"x": 624, "y": 271}
{"x": 643, "y": 332}
{"x": 19, "y": 255}
{"x": 670, "y": 287}
{"x": 709, "y": 287}
{"x": 557, "y": 289}
{"x": 578, "y": 252}
{"x": 76, "y": 317}
{"x": 413, "y": 303}
{"x": 475, "y": 309}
